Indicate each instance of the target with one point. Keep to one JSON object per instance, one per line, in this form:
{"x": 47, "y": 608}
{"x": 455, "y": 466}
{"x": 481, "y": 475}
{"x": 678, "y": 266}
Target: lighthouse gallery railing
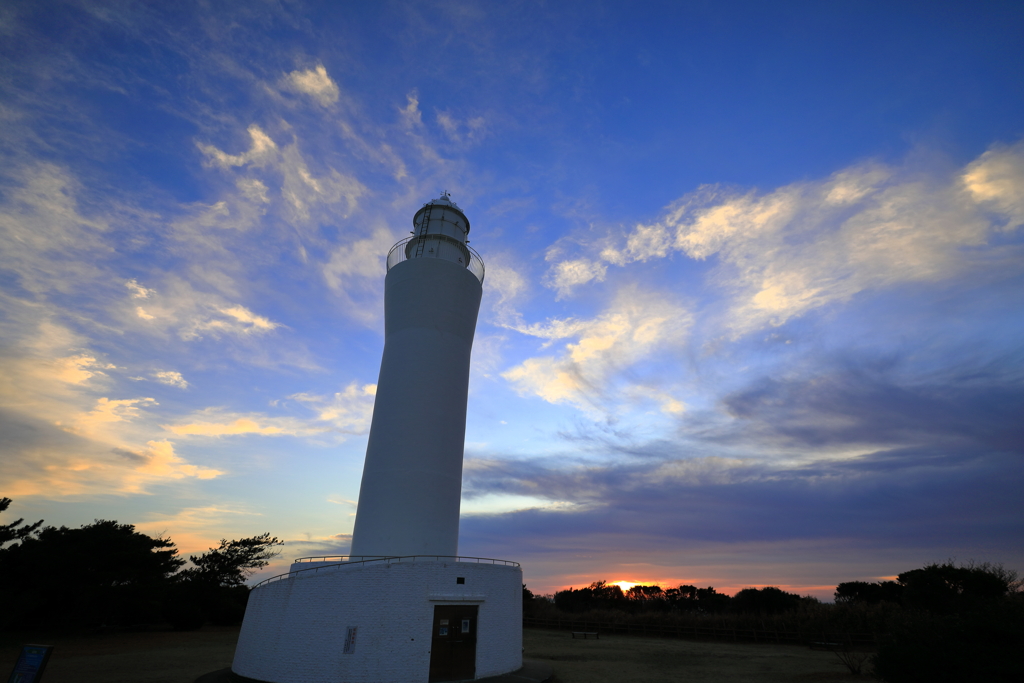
{"x": 384, "y": 560}
{"x": 437, "y": 246}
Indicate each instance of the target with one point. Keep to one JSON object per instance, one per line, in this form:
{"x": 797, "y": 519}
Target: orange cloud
{"x": 240, "y": 426}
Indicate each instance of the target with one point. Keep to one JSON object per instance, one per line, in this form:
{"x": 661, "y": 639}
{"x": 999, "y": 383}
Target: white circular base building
{"x": 384, "y": 620}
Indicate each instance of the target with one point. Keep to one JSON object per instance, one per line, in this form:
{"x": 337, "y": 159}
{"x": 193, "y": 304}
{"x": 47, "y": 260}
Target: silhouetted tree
{"x": 214, "y": 587}
{"x": 682, "y": 594}
{"x": 232, "y": 562}
{"x": 862, "y": 592}
{"x": 947, "y": 588}
{"x": 643, "y": 593}
{"x": 598, "y": 595}
{"x": 647, "y": 598}
{"x": 963, "y": 623}
{"x": 13, "y": 532}
{"x": 711, "y": 601}
{"x": 767, "y": 600}
{"x": 102, "y": 573}
{"x": 109, "y": 574}
{"x": 527, "y": 601}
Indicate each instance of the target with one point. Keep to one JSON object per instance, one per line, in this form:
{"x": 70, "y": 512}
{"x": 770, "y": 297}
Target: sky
{"x": 754, "y": 299}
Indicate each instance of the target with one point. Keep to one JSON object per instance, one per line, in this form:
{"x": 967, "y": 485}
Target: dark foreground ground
{"x": 182, "y": 657}
{"x": 151, "y": 657}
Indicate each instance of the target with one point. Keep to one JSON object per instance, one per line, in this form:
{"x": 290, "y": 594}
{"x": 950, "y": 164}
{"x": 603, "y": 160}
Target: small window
{"x": 460, "y": 579}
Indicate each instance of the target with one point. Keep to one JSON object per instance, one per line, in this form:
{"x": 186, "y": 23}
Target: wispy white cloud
{"x": 354, "y": 272}
{"x": 506, "y": 286}
{"x": 254, "y": 190}
{"x": 469, "y": 130}
{"x": 137, "y": 291}
{"x": 996, "y": 180}
{"x": 786, "y": 252}
{"x": 587, "y": 372}
{"x": 54, "y": 250}
{"x": 171, "y": 378}
{"x": 564, "y": 276}
{"x": 360, "y": 258}
{"x": 411, "y": 115}
{"x": 45, "y": 240}
{"x": 262, "y": 149}
{"x": 238, "y": 319}
{"x": 314, "y": 82}
{"x": 347, "y": 411}
{"x": 302, "y": 190}
{"x": 194, "y": 314}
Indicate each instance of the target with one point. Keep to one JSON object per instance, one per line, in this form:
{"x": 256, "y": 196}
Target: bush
{"x": 983, "y": 645}
{"x": 228, "y": 607}
{"x": 184, "y": 616}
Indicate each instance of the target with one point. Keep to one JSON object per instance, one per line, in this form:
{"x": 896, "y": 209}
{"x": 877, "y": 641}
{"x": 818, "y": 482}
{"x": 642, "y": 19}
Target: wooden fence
{"x": 697, "y": 632}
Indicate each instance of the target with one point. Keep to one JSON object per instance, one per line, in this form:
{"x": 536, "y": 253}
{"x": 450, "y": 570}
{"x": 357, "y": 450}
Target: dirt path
{"x": 181, "y": 657}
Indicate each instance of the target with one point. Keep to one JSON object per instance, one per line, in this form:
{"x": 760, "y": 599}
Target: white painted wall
{"x": 412, "y": 479}
{"x": 294, "y": 629}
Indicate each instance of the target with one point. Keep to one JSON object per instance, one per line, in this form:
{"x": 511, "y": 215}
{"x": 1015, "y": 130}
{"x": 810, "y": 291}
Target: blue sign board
{"x": 31, "y": 663}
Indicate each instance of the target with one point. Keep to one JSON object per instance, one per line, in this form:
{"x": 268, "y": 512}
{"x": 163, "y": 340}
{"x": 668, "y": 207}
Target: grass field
{"x": 633, "y": 659}
{"x": 181, "y": 657}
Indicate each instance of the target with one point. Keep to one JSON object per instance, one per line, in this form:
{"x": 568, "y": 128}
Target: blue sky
{"x": 754, "y": 292}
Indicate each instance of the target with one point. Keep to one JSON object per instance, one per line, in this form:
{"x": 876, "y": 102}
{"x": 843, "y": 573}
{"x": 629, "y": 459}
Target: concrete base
{"x": 532, "y": 671}
{"x": 295, "y": 629}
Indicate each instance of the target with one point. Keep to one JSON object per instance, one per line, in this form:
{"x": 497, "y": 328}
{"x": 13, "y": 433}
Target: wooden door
{"x": 453, "y": 643}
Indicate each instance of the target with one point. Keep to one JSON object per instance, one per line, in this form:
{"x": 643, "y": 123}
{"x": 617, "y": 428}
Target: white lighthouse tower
{"x": 404, "y": 606}
{"x": 412, "y": 478}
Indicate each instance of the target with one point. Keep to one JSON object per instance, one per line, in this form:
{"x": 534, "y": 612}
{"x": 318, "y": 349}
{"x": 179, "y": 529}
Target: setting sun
{"x": 624, "y": 585}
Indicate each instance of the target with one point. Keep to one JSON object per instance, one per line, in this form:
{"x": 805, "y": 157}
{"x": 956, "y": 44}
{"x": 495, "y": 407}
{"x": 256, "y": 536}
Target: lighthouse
{"x": 404, "y": 605}
{"x": 412, "y": 477}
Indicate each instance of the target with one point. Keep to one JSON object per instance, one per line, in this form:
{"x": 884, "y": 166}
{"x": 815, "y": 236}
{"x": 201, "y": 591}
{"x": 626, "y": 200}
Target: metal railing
{"x": 382, "y": 560}
{"x": 338, "y": 558}
{"x": 435, "y": 245}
